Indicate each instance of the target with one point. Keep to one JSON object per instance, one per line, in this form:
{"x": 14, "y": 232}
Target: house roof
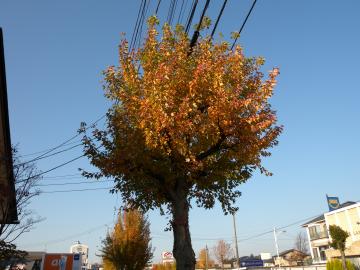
{"x": 314, "y": 220}
{"x": 283, "y": 253}
{"x": 322, "y": 217}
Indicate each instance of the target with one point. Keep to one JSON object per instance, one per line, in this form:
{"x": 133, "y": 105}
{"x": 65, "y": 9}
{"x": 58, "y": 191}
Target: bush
{"x": 335, "y": 264}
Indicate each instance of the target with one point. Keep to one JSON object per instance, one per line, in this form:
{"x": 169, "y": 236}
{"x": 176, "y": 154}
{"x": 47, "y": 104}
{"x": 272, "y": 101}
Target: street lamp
{"x": 276, "y": 232}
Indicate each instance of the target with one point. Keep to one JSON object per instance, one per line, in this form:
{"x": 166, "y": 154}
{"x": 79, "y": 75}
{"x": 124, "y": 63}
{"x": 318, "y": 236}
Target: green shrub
{"x": 335, "y": 264}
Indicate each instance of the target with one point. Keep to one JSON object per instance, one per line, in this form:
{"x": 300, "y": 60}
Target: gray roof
{"x": 322, "y": 217}
{"x": 314, "y": 220}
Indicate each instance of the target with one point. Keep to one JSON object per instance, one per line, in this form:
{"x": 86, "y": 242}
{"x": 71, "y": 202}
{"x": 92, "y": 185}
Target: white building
{"x": 347, "y": 216}
{"x": 83, "y": 250}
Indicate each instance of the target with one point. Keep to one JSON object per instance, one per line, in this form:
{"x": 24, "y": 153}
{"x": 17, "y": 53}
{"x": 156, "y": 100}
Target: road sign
{"x": 251, "y": 263}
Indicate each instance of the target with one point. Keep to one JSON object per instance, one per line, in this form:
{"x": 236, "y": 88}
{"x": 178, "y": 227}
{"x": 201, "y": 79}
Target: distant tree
{"x": 183, "y": 126}
{"x": 338, "y": 241}
{"x": 203, "y": 258}
{"x": 301, "y": 243}
{"x": 222, "y": 252}
{"x": 128, "y": 246}
{"x": 26, "y": 177}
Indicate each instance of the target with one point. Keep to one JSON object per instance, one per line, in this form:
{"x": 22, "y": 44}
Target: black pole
{"x": 8, "y": 211}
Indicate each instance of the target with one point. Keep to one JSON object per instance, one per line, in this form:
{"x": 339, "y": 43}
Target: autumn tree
{"x": 301, "y": 242}
{"x": 204, "y": 260}
{"x": 128, "y": 245}
{"x": 184, "y": 127}
{"x": 222, "y": 252}
{"x": 338, "y": 241}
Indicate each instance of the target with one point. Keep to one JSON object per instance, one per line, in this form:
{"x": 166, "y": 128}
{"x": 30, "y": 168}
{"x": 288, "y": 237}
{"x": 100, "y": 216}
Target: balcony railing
{"x": 318, "y": 235}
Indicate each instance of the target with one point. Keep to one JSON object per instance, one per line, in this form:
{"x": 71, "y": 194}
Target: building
{"x": 83, "y": 250}
{"x": 347, "y": 216}
{"x": 291, "y": 257}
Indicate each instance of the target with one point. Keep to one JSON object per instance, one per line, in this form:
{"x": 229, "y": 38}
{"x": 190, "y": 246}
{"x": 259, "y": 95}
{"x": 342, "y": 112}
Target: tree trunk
{"x": 343, "y": 259}
{"x": 182, "y": 250}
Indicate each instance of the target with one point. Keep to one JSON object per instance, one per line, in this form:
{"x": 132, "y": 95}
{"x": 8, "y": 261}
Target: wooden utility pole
{"x": 236, "y": 243}
{"x": 8, "y": 211}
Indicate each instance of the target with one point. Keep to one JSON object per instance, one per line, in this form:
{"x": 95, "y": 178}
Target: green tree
{"x": 128, "y": 246}
{"x": 183, "y": 127}
{"x": 338, "y": 237}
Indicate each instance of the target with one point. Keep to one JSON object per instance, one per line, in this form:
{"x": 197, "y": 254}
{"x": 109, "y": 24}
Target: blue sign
{"x": 333, "y": 203}
{"x": 251, "y": 263}
{"x": 76, "y": 257}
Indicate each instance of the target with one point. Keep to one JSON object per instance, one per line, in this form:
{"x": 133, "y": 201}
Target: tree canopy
{"x": 204, "y": 117}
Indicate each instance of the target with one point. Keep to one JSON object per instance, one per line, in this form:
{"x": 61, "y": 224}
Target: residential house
{"x": 290, "y": 257}
{"x": 347, "y": 216}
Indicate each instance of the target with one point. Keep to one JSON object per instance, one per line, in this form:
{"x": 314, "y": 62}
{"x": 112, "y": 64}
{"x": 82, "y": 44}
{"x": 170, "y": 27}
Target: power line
{"x": 157, "y": 7}
{"x": 171, "y": 9}
{"x": 190, "y": 18}
{"x": 197, "y": 31}
{"x": 218, "y": 18}
{"x": 242, "y": 26}
{"x": 66, "y": 141}
{"x": 75, "y": 190}
{"x": 50, "y": 155}
{"x": 64, "y": 176}
{"x": 136, "y": 28}
{"x": 42, "y": 151}
{"x": 70, "y": 236}
{"x": 145, "y": 11}
{"x": 52, "y": 169}
{"x": 181, "y": 11}
{"x": 72, "y": 183}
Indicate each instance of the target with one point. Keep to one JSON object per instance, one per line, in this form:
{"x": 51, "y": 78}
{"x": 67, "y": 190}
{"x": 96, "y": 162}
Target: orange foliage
{"x": 203, "y": 117}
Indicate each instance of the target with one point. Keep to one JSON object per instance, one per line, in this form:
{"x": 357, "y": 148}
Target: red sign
{"x": 58, "y": 261}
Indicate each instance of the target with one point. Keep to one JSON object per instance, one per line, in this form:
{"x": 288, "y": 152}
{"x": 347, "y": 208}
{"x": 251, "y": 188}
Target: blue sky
{"x": 55, "y": 53}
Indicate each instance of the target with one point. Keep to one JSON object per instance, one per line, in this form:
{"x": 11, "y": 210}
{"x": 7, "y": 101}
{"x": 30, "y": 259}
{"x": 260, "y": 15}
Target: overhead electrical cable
{"x": 72, "y": 183}
{"x": 197, "y": 31}
{"x": 67, "y": 141}
{"x": 243, "y": 25}
{"x": 50, "y": 155}
{"x": 72, "y": 176}
{"x": 218, "y": 18}
{"x": 136, "y": 28}
{"x": 171, "y": 8}
{"x": 173, "y": 11}
{"x": 42, "y": 151}
{"x": 71, "y": 236}
{"x": 157, "y": 7}
{"x": 75, "y": 190}
{"x": 191, "y": 16}
{"x": 143, "y": 16}
{"x": 52, "y": 169}
{"x": 181, "y": 11}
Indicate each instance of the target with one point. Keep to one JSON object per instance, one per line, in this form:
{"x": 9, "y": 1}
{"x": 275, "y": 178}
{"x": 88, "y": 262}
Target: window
{"x": 316, "y": 254}
{"x": 322, "y": 252}
{"x": 318, "y": 231}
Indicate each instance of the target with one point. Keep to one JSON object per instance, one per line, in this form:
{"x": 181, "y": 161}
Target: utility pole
{"x": 277, "y": 246}
{"x": 236, "y": 243}
{"x": 206, "y": 258}
{"x": 8, "y": 206}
